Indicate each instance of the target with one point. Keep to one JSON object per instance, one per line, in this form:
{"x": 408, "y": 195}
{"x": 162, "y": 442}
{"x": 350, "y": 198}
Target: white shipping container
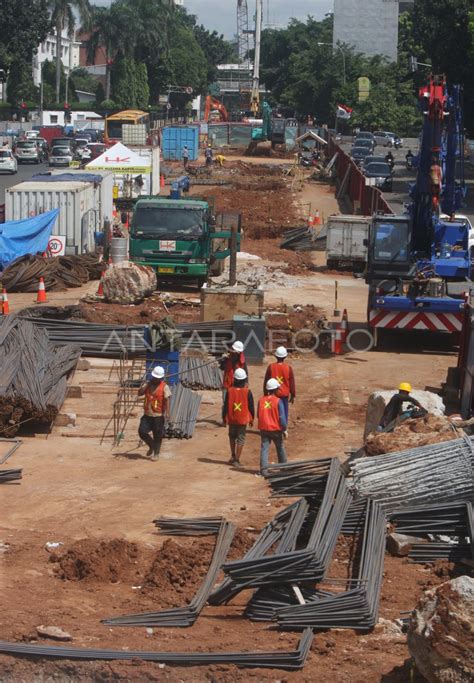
{"x": 346, "y": 239}
{"x": 78, "y": 217}
{"x": 103, "y": 192}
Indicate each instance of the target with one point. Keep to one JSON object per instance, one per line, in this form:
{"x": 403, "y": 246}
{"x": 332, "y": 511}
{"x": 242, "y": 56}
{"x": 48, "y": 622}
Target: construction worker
{"x": 208, "y": 155}
{"x": 185, "y": 155}
{"x": 220, "y": 158}
{"x": 271, "y": 423}
{"x": 394, "y": 407}
{"x": 156, "y": 408}
{"x": 238, "y": 412}
{"x": 231, "y": 361}
{"x": 436, "y": 181}
{"x": 283, "y": 372}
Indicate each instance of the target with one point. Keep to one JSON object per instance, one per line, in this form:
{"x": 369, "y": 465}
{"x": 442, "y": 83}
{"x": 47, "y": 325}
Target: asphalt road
{"x": 25, "y": 171}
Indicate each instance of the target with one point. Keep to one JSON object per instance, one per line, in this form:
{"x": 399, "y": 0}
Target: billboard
{"x": 369, "y": 26}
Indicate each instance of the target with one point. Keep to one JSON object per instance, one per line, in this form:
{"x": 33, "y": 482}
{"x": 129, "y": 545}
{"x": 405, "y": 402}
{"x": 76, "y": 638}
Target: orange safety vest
{"x": 268, "y": 414}
{"x": 229, "y": 369}
{"x": 154, "y": 400}
{"x": 281, "y": 372}
{"x": 238, "y": 406}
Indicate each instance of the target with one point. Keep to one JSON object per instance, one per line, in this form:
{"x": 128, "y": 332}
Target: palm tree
{"x": 104, "y": 34}
{"x": 62, "y": 16}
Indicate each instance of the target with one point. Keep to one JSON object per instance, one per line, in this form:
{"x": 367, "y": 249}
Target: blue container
{"x": 175, "y": 137}
{"x": 169, "y": 360}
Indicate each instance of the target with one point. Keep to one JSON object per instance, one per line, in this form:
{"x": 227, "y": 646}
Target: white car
{"x": 60, "y": 156}
{"x": 31, "y": 134}
{"x": 8, "y": 163}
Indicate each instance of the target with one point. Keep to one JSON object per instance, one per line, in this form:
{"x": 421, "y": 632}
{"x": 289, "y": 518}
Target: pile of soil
{"x": 104, "y": 561}
{"x": 292, "y": 262}
{"x": 413, "y": 433}
{"x": 150, "y": 310}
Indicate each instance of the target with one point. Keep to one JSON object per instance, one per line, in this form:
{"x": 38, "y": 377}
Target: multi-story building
{"x": 47, "y": 52}
{"x": 370, "y": 27}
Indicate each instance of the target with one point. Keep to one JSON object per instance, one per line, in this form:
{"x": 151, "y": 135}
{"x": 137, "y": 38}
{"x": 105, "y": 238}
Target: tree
{"x": 62, "y": 16}
{"x": 24, "y": 25}
{"x": 104, "y": 34}
{"x": 130, "y": 84}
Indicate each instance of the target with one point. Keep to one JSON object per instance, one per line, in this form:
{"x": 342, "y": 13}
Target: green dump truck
{"x": 182, "y": 238}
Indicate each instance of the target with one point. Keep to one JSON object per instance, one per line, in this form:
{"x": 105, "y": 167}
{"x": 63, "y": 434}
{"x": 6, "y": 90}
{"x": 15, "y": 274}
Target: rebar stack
{"x": 59, "y": 272}
{"x": 197, "y": 373}
{"x": 10, "y": 475}
{"x": 438, "y": 473}
{"x": 184, "y": 408}
{"x": 33, "y": 374}
{"x": 301, "y": 478}
{"x": 186, "y": 616}
{"x": 200, "y": 526}
{"x": 299, "y": 239}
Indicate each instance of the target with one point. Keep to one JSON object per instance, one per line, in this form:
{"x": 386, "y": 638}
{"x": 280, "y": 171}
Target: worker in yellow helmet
{"x": 394, "y": 407}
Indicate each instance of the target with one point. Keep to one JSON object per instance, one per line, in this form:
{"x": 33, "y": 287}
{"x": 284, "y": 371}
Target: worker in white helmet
{"x": 283, "y": 372}
{"x": 231, "y": 361}
{"x": 272, "y": 423}
{"x": 156, "y": 409}
{"x": 238, "y": 411}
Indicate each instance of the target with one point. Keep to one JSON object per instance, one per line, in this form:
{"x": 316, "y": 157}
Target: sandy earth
{"x": 98, "y": 502}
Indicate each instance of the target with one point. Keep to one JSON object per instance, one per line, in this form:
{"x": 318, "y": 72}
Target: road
{"x": 25, "y": 171}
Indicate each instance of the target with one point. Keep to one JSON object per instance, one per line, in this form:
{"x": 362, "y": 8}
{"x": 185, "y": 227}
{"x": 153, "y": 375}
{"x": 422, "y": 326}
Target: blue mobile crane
{"x": 420, "y": 262}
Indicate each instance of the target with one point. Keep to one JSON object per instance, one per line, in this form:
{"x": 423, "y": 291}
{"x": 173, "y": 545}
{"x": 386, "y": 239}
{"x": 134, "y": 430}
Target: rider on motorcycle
{"x": 390, "y": 159}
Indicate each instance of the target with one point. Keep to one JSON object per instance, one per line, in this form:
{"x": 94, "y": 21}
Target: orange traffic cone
{"x": 5, "y": 304}
{"x": 162, "y": 180}
{"x": 310, "y": 221}
{"x": 317, "y": 218}
{"x": 41, "y": 298}
{"x": 100, "y": 290}
{"x": 337, "y": 341}
{"x": 344, "y": 325}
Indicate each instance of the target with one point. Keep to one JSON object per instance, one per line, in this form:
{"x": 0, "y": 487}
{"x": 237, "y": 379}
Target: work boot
{"x": 149, "y": 451}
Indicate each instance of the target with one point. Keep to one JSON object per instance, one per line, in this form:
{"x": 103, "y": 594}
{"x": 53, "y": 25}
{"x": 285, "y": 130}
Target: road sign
{"x": 57, "y": 245}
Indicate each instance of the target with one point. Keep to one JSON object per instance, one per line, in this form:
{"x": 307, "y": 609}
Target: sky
{"x": 221, "y": 15}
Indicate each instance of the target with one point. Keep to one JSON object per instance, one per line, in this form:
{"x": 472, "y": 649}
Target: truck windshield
{"x": 391, "y": 241}
{"x": 156, "y": 222}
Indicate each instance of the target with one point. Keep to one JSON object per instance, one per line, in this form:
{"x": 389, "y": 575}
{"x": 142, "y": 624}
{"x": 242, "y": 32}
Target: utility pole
{"x": 255, "y": 98}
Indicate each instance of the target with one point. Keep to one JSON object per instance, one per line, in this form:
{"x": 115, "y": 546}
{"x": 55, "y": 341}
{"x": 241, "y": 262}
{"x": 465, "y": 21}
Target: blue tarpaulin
{"x": 29, "y": 236}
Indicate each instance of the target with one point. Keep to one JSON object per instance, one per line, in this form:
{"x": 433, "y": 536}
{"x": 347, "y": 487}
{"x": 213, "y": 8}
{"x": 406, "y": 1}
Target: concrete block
{"x": 224, "y": 304}
{"x": 74, "y": 392}
{"x": 400, "y": 544}
{"x": 65, "y": 420}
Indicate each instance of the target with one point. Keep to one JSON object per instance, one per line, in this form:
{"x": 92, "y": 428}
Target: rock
{"x": 129, "y": 284}
{"x": 389, "y": 629}
{"x": 412, "y": 433}
{"x": 441, "y": 634}
{"x": 379, "y": 399}
{"x": 400, "y": 544}
{"x": 53, "y": 632}
{"x": 65, "y": 420}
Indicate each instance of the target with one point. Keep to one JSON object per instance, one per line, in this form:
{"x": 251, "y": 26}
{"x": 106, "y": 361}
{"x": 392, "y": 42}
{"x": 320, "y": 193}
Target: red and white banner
{"x": 401, "y": 320}
{"x": 343, "y": 112}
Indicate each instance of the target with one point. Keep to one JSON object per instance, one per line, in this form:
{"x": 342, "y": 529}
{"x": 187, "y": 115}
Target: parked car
{"x": 365, "y": 142}
{"x": 382, "y": 174}
{"x": 61, "y": 156}
{"x": 27, "y": 151}
{"x": 92, "y": 151}
{"x": 8, "y": 163}
{"x": 359, "y": 154}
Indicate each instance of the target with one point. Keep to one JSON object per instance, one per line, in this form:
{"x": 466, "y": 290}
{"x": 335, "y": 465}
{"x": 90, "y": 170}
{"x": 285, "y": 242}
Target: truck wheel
{"x": 332, "y": 265}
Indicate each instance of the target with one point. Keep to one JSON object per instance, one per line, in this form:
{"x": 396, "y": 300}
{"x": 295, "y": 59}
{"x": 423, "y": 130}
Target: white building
{"x": 47, "y": 52}
{"x": 369, "y": 26}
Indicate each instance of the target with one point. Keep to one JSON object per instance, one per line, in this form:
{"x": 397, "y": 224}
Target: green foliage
{"x": 130, "y": 84}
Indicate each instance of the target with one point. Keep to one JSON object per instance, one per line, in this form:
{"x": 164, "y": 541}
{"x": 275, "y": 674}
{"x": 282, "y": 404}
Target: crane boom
{"x": 255, "y": 96}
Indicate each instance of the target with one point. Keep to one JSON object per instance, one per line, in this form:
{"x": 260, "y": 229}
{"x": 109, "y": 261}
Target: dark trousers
{"x": 155, "y": 425}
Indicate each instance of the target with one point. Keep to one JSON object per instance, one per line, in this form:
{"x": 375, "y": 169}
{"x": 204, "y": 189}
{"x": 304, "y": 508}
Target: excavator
{"x": 420, "y": 262}
{"x": 214, "y": 111}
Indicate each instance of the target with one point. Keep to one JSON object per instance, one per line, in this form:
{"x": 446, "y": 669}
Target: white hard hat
{"x": 158, "y": 372}
{"x": 281, "y": 352}
{"x": 238, "y": 347}
{"x": 240, "y": 374}
{"x": 272, "y": 384}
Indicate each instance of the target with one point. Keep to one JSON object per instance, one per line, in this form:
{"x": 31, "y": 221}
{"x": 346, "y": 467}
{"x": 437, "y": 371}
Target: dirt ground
{"x": 95, "y": 503}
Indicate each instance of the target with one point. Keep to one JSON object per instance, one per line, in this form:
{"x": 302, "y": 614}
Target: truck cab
{"x": 180, "y": 238}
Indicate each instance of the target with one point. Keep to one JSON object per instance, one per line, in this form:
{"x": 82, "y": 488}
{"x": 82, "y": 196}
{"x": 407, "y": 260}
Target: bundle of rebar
{"x": 184, "y": 409}
{"x": 59, "y": 272}
{"x": 116, "y": 341}
{"x": 357, "y": 606}
{"x": 10, "y": 475}
{"x": 273, "y": 659}
{"x": 299, "y": 239}
{"x": 11, "y": 446}
{"x": 299, "y": 478}
{"x": 437, "y": 473}
{"x": 197, "y": 373}
{"x": 185, "y": 616}
{"x": 200, "y": 526}
{"x": 33, "y": 374}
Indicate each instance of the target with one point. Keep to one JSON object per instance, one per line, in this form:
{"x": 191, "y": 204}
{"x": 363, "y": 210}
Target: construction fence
{"x": 365, "y": 199}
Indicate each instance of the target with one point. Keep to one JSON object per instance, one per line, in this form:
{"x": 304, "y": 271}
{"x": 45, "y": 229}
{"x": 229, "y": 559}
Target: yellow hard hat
{"x": 405, "y": 386}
